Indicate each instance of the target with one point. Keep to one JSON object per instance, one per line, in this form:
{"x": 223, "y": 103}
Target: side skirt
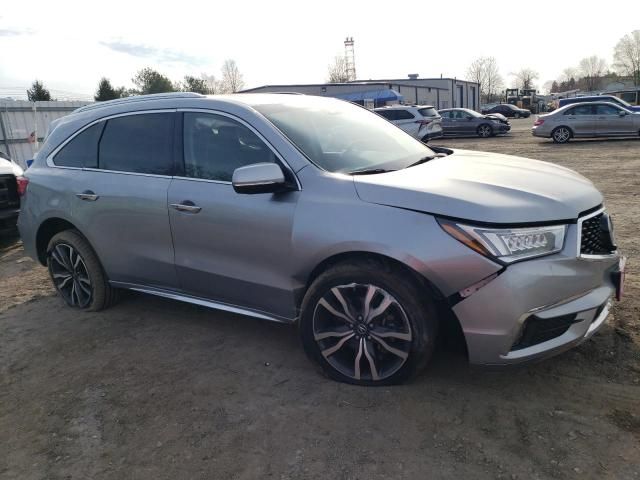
{"x": 202, "y": 302}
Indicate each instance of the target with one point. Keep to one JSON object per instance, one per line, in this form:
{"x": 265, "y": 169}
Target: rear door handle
{"x": 87, "y": 195}
{"x": 186, "y": 206}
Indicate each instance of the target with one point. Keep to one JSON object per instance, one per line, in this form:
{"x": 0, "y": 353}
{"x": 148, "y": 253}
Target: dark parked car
{"x": 508, "y": 110}
{"x": 463, "y": 121}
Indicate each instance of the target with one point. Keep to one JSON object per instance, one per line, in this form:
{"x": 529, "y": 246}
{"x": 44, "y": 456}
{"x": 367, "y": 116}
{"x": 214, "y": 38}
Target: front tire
{"x": 77, "y": 274}
{"x": 561, "y": 135}
{"x": 484, "y": 131}
{"x": 368, "y": 323}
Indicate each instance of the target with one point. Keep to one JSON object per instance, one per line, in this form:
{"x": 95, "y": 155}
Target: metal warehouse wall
{"x": 18, "y": 120}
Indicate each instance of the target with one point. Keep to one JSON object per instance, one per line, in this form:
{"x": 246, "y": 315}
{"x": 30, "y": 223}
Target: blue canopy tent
{"x": 379, "y": 97}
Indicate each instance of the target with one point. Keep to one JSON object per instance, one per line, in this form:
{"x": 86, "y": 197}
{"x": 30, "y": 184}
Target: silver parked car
{"x": 592, "y": 119}
{"x": 463, "y": 121}
{"x": 313, "y": 210}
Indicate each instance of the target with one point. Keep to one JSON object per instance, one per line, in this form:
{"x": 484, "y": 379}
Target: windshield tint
{"x": 338, "y": 136}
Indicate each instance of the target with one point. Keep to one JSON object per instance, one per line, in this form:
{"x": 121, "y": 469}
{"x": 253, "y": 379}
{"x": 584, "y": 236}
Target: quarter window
{"x": 82, "y": 151}
{"x": 215, "y": 145}
{"x": 138, "y": 143}
{"x": 403, "y": 115}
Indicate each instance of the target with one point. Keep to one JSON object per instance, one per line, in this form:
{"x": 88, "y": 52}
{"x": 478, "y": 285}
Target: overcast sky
{"x": 69, "y": 45}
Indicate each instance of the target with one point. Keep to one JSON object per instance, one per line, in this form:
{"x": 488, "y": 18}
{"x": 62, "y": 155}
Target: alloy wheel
{"x": 362, "y": 331}
{"x": 484, "y": 131}
{"x": 561, "y": 135}
{"x": 70, "y": 276}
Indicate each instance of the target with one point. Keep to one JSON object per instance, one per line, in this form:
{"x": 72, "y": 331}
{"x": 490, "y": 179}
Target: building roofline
{"x": 294, "y": 85}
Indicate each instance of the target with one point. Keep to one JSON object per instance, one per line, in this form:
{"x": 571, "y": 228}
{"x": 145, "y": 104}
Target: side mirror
{"x": 259, "y": 178}
{"x": 622, "y": 113}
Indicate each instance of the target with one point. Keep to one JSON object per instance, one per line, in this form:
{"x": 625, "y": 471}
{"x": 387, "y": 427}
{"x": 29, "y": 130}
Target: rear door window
{"x": 138, "y": 144}
{"x": 82, "y": 150}
{"x": 428, "y": 112}
{"x": 580, "y": 110}
{"x": 403, "y": 115}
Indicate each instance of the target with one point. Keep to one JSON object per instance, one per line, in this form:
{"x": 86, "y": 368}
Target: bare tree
{"x": 484, "y": 71}
{"x": 525, "y": 77}
{"x": 591, "y": 68}
{"x": 212, "y": 84}
{"x": 626, "y": 56}
{"x": 569, "y": 73}
{"x": 231, "y": 77}
{"x": 338, "y": 71}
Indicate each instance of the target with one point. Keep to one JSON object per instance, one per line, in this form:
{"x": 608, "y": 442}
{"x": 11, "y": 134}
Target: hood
{"x": 8, "y": 167}
{"x": 484, "y": 187}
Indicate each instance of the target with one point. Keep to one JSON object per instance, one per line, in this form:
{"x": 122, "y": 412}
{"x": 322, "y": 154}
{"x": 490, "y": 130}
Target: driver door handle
{"x": 186, "y": 206}
{"x": 88, "y": 195}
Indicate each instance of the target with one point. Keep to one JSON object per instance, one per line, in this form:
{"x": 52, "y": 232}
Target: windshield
{"x": 473, "y": 113}
{"x": 341, "y": 137}
{"x": 618, "y": 100}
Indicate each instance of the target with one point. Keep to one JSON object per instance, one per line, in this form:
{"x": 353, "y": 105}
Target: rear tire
{"x": 561, "y": 134}
{"x": 368, "y": 322}
{"x": 77, "y": 274}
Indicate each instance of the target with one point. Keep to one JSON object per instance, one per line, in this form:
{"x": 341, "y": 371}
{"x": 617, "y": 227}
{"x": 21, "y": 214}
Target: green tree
{"x": 107, "y": 92}
{"x": 147, "y": 80}
{"x": 197, "y": 85}
{"x": 38, "y": 93}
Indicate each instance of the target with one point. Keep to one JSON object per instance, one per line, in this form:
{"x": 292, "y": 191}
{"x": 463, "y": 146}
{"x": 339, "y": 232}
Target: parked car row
{"x": 424, "y": 122}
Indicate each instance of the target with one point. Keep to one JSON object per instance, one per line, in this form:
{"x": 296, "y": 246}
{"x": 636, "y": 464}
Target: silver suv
{"x": 312, "y": 210}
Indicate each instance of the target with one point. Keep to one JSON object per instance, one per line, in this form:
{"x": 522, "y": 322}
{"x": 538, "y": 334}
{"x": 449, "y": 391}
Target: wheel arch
{"x": 47, "y": 229}
{"x": 562, "y": 126}
{"x": 449, "y": 323}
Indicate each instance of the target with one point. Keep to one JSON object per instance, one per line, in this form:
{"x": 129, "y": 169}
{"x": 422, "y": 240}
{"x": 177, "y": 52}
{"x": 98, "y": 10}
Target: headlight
{"x": 508, "y": 244}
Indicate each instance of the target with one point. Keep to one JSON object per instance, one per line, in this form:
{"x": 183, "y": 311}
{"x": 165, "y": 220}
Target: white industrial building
{"x": 439, "y": 92}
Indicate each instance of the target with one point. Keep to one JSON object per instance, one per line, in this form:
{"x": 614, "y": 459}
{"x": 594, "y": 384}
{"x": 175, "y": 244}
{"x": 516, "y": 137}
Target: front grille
{"x": 596, "y": 236}
{"x": 9, "y": 192}
{"x": 537, "y": 330}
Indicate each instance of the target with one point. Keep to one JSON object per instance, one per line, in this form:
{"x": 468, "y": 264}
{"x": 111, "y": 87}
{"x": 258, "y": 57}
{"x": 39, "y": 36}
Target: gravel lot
{"x": 155, "y": 389}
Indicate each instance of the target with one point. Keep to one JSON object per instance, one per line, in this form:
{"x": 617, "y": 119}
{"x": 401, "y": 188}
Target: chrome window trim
{"x": 50, "y": 157}
{"x": 579, "y": 238}
{"x": 250, "y": 127}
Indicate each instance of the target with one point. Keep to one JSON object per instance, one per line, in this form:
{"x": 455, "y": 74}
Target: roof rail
{"x": 139, "y": 98}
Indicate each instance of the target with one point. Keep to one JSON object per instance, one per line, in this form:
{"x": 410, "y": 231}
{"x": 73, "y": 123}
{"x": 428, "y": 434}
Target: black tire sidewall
{"x": 553, "y": 135}
{"x": 421, "y": 314}
{"x": 101, "y": 291}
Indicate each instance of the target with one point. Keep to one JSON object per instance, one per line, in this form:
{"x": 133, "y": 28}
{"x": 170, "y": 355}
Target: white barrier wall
{"x": 19, "y": 123}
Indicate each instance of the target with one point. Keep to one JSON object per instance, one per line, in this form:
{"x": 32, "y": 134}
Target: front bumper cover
{"x": 493, "y": 317}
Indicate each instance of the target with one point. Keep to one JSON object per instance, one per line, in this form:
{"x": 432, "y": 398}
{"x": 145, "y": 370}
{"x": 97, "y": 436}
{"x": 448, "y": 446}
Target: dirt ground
{"x": 156, "y": 389}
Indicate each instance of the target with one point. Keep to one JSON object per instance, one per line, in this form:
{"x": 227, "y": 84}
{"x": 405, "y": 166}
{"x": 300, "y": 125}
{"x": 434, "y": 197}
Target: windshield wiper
{"x": 426, "y": 159}
{"x": 422, "y": 160}
{"x": 370, "y": 171}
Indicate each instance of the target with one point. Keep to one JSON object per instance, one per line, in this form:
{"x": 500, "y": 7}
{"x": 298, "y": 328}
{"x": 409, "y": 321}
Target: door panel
{"x": 230, "y": 247}
{"x": 128, "y": 226}
{"x": 609, "y": 121}
{"x": 124, "y": 213}
{"x": 236, "y": 248}
{"x": 581, "y": 120}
